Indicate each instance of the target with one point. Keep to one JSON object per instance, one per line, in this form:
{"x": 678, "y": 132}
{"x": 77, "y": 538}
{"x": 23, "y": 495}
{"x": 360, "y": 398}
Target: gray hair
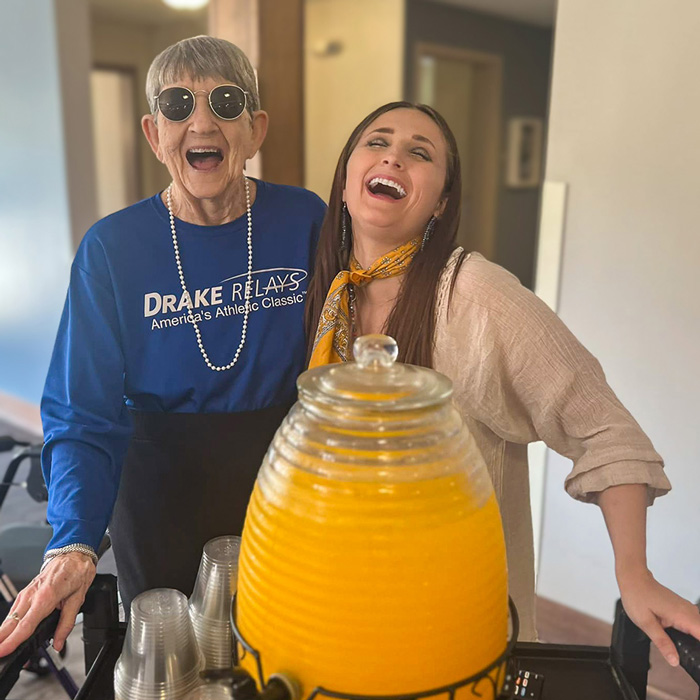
{"x": 199, "y": 58}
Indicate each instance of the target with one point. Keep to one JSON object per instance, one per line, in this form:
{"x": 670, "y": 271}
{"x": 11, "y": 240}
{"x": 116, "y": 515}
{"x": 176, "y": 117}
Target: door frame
{"x": 271, "y": 33}
{"x": 486, "y": 149}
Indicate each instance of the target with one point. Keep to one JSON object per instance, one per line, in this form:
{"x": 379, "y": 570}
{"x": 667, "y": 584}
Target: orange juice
{"x": 371, "y": 585}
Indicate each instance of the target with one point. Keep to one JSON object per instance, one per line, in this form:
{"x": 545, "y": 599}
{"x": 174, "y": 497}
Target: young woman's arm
{"x": 650, "y": 605}
{"x": 534, "y": 380}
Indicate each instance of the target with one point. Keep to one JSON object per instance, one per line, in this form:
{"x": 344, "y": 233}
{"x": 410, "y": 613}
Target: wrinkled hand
{"x": 62, "y": 584}
{"x": 652, "y": 607}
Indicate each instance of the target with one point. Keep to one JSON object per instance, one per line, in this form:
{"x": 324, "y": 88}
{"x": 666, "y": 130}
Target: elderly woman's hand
{"x": 62, "y": 584}
{"x": 652, "y": 607}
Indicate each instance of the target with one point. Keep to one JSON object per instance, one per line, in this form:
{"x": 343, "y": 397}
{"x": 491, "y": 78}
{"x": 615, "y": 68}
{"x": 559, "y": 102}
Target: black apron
{"x": 187, "y": 478}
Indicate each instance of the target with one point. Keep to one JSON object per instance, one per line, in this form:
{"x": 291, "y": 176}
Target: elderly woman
{"x": 179, "y": 346}
{"x": 387, "y": 263}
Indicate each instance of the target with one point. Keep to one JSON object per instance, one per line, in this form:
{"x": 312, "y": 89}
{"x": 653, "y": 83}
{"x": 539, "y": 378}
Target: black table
{"x": 555, "y": 671}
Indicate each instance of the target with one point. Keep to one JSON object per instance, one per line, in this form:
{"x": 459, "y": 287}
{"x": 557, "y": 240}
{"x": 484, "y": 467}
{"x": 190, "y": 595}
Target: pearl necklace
{"x": 195, "y": 325}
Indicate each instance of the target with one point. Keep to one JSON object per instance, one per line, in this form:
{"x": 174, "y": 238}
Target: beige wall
{"x": 341, "y": 89}
{"x": 623, "y": 133}
{"x": 119, "y": 43}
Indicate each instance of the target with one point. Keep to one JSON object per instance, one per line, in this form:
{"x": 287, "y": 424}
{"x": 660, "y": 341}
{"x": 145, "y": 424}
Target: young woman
{"x": 387, "y": 263}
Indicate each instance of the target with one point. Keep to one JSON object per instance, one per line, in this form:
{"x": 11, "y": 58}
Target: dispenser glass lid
{"x": 374, "y": 380}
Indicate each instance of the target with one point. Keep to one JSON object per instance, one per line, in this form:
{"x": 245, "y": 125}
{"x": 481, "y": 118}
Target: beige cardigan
{"x": 519, "y": 376}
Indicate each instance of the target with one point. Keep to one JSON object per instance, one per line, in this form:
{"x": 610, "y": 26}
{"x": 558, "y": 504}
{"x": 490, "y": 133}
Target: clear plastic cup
{"x": 210, "y": 602}
{"x": 160, "y": 659}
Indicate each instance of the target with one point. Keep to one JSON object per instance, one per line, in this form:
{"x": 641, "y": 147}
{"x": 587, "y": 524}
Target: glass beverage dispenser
{"x": 373, "y": 560}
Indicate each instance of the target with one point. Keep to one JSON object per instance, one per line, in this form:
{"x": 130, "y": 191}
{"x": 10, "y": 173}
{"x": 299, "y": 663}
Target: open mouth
{"x": 204, "y": 158}
{"x": 382, "y": 186}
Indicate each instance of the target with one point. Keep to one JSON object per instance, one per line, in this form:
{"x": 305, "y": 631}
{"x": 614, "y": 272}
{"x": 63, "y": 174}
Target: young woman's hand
{"x": 652, "y": 607}
{"x": 62, "y": 584}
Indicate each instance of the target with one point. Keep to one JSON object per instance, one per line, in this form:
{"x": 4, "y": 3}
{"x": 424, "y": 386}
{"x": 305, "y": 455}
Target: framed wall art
{"x": 524, "y": 152}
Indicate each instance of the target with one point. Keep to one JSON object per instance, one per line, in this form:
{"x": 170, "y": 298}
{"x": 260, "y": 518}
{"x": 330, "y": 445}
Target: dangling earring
{"x": 428, "y": 231}
{"x": 344, "y": 227}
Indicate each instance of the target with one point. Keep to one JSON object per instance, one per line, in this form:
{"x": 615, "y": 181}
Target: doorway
{"x": 125, "y": 37}
{"x": 114, "y": 119}
{"x": 465, "y": 87}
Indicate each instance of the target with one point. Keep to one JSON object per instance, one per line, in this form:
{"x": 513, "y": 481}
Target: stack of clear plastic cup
{"x": 211, "y": 691}
{"x": 160, "y": 659}
{"x": 210, "y": 603}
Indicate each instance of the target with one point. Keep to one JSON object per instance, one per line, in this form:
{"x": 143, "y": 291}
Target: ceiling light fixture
{"x": 186, "y": 4}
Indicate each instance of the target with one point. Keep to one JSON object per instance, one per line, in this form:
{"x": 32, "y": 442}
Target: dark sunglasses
{"x": 177, "y": 103}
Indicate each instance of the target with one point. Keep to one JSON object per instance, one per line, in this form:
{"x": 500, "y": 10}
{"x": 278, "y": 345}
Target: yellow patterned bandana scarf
{"x": 333, "y": 337}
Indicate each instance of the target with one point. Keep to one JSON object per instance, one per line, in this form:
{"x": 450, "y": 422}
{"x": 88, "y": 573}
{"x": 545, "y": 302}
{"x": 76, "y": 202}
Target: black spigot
{"x": 280, "y": 687}
{"x": 243, "y": 686}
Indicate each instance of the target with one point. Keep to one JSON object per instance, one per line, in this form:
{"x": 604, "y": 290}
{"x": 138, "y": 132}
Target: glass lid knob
{"x": 375, "y": 351}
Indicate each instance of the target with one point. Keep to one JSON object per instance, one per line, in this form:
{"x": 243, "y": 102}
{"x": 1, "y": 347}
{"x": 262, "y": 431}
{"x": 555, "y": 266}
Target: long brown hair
{"x": 412, "y": 320}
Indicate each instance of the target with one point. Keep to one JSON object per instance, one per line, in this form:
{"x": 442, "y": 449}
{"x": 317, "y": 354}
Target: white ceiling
{"x": 144, "y": 11}
{"x": 540, "y": 12}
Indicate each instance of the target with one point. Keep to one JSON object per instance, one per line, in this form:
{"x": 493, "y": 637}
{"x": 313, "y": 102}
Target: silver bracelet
{"x": 80, "y": 548}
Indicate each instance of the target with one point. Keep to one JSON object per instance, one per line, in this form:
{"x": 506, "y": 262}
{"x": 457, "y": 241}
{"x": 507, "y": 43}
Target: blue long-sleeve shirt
{"x": 124, "y": 340}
